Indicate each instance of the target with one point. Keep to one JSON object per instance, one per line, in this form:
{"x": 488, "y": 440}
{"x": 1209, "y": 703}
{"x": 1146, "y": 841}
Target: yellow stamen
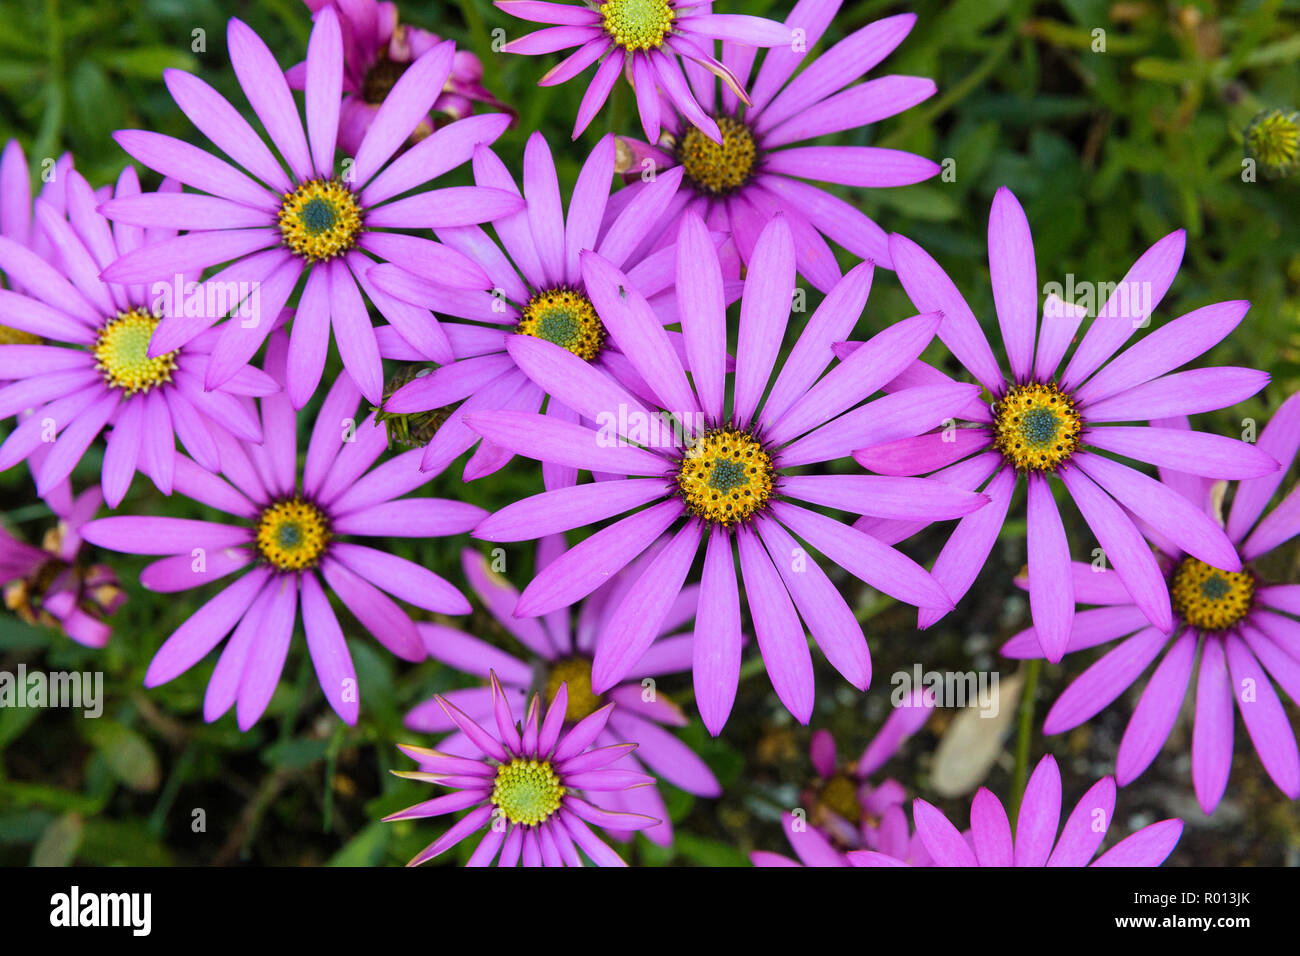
{"x": 576, "y": 673}
{"x": 725, "y": 476}
{"x": 717, "y": 169}
{"x": 320, "y": 220}
{"x": 1210, "y": 599}
{"x": 566, "y": 318}
{"x": 840, "y": 793}
{"x": 1036, "y": 427}
{"x": 527, "y": 791}
{"x": 637, "y": 24}
{"x": 292, "y": 534}
{"x": 121, "y": 352}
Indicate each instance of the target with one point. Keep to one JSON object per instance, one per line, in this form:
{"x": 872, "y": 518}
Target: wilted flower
{"x": 1273, "y": 140}
{"x": 54, "y": 584}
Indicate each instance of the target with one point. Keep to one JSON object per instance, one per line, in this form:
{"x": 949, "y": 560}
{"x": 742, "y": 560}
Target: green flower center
{"x": 637, "y": 24}
{"x": 527, "y": 792}
{"x": 121, "y": 352}
{"x": 564, "y": 317}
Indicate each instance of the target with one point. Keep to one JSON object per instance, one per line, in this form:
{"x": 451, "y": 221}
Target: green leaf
{"x": 58, "y": 844}
{"x": 121, "y": 843}
{"x": 147, "y": 62}
{"x": 366, "y": 848}
{"x": 128, "y": 755}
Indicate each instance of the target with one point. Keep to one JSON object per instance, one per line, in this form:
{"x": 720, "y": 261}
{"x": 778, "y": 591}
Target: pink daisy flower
{"x": 274, "y": 225}
{"x": 760, "y": 167}
{"x": 1049, "y": 427}
{"x": 989, "y": 840}
{"x": 523, "y": 785}
{"x": 377, "y": 50}
{"x": 648, "y": 40}
{"x": 1241, "y": 625}
{"x": 844, "y": 810}
{"x": 538, "y": 292}
{"x": 560, "y": 648}
{"x": 92, "y": 366}
{"x": 284, "y": 530}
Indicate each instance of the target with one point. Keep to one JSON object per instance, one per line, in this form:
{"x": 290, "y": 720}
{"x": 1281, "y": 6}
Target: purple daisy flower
{"x": 96, "y": 370}
{"x": 538, "y": 291}
{"x": 274, "y": 225}
{"x": 844, "y": 810}
{"x": 54, "y": 584}
{"x": 377, "y": 50}
{"x": 524, "y": 786}
{"x": 1044, "y": 424}
{"x": 284, "y": 532}
{"x": 15, "y": 194}
{"x": 16, "y": 223}
{"x": 738, "y": 184}
{"x": 560, "y": 653}
{"x": 989, "y": 842}
{"x": 705, "y": 473}
{"x": 1241, "y": 624}
{"x": 649, "y": 40}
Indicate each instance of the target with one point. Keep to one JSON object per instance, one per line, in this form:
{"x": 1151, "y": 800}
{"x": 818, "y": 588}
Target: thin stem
{"x": 1023, "y": 734}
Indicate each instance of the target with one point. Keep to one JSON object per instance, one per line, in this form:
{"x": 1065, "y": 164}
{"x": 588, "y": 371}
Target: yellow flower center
{"x": 637, "y": 24}
{"x": 320, "y": 220}
{"x": 527, "y": 791}
{"x": 121, "y": 352}
{"x": 10, "y": 336}
{"x": 576, "y": 672}
{"x": 1210, "y": 599}
{"x": 292, "y": 534}
{"x": 725, "y": 476}
{"x": 380, "y": 79}
{"x": 1273, "y": 138}
{"x": 716, "y": 169}
{"x": 840, "y": 794}
{"x": 566, "y": 318}
{"x": 1036, "y": 427}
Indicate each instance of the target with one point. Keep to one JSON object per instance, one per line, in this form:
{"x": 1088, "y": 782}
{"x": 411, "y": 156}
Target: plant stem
{"x": 1022, "y": 736}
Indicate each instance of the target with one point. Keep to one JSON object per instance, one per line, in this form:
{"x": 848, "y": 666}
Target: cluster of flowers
{"x": 593, "y": 337}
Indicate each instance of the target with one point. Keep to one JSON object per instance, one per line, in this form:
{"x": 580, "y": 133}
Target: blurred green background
{"x": 1107, "y": 150}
